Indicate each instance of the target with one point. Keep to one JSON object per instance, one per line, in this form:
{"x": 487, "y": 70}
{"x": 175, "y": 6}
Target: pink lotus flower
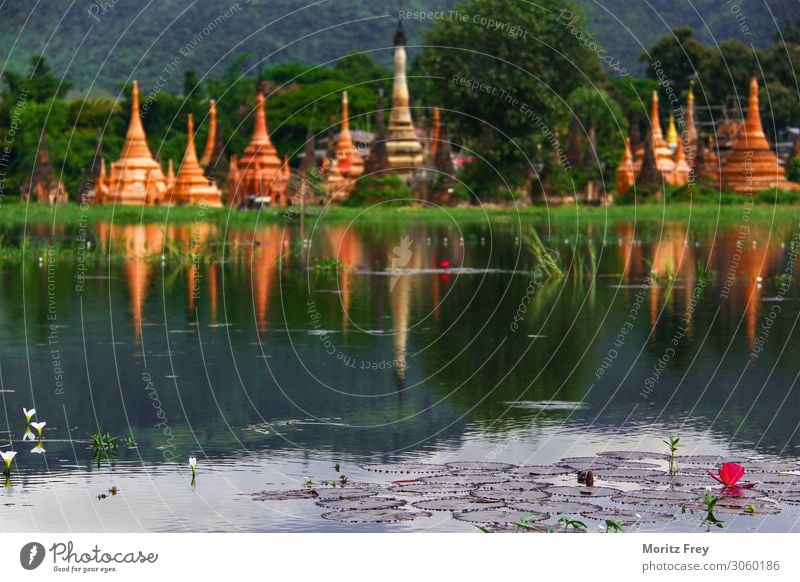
{"x": 729, "y": 475}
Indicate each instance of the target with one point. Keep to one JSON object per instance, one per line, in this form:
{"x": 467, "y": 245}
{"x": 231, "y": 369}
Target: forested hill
{"x": 99, "y": 43}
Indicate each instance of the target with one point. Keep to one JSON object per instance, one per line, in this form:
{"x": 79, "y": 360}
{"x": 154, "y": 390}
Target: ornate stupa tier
{"x": 402, "y": 144}
{"x": 136, "y": 178}
{"x": 260, "y": 174}
{"x": 662, "y": 154}
{"x": 751, "y": 165}
{"x": 351, "y": 164}
{"x": 625, "y": 173}
{"x": 191, "y": 185}
{"x": 691, "y": 126}
{"x": 211, "y": 140}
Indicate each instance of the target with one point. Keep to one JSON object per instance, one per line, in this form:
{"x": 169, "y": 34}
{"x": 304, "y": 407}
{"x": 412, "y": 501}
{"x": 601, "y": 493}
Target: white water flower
{"x": 193, "y": 464}
{"x": 28, "y": 436}
{"x": 8, "y": 457}
{"x": 38, "y": 449}
{"x": 39, "y": 426}
{"x": 28, "y": 414}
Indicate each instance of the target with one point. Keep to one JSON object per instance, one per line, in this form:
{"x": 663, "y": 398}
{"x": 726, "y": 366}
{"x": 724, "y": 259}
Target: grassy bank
{"x": 15, "y": 214}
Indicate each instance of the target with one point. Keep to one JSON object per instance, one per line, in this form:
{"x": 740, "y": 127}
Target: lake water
{"x": 271, "y": 363}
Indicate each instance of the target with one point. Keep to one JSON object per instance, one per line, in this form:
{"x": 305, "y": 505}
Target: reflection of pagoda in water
{"x": 262, "y": 252}
{"x": 140, "y": 242}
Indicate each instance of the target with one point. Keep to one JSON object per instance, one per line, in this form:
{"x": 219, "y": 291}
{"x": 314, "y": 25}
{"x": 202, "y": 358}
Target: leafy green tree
{"x": 515, "y": 115}
{"x": 595, "y": 108}
{"x": 680, "y": 56}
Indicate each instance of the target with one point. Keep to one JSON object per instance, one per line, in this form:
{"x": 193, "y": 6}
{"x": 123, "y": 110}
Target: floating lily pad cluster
{"x": 631, "y": 488}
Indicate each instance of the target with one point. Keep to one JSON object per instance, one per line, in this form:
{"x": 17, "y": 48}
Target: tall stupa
{"x": 402, "y": 144}
{"x": 751, "y": 164}
{"x": 191, "y": 185}
{"x": 259, "y": 173}
{"x": 136, "y": 178}
{"x": 351, "y": 164}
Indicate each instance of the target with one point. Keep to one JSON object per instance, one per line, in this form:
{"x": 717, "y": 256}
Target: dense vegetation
{"x": 522, "y": 101}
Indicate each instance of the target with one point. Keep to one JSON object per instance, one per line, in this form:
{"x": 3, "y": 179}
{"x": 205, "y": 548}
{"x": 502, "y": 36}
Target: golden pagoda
{"x": 191, "y": 185}
{"x": 211, "y": 139}
{"x": 351, "y": 164}
{"x": 335, "y": 184}
{"x": 136, "y": 178}
{"x": 680, "y": 175}
{"x": 170, "y": 175}
{"x": 672, "y": 133}
{"x": 751, "y": 165}
{"x": 437, "y": 131}
{"x": 625, "y": 173}
{"x": 691, "y": 127}
{"x": 402, "y": 144}
{"x": 661, "y": 151}
{"x": 214, "y": 160}
{"x": 259, "y": 174}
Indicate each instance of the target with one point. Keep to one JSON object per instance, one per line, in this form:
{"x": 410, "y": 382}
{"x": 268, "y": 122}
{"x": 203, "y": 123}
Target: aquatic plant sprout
{"x": 710, "y": 502}
{"x": 28, "y": 436}
{"x": 28, "y": 414}
{"x": 39, "y": 426}
{"x": 672, "y": 443}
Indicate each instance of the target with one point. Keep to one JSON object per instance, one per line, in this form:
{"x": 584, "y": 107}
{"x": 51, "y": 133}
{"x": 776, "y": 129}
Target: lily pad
{"x": 479, "y": 466}
{"x": 469, "y": 480}
{"x": 680, "y": 480}
{"x": 708, "y": 461}
{"x": 374, "y": 515}
{"x": 624, "y": 475}
{"x": 655, "y": 497}
{"x": 421, "y": 488}
{"x": 458, "y": 504}
{"x": 554, "y": 507}
{"x": 628, "y": 517}
{"x": 419, "y": 468}
{"x": 285, "y": 495}
{"x": 499, "y": 516}
{"x": 632, "y": 455}
{"x": 739, "y": 506}
{"x": 791, "y": 498}
{"x": 639, "y": 465}
{"x": 335, "y": 493}
{"x": 539, "y": 471}
{"x": 778, "y": 488}
{"x": 509, "y": 495}
{"x": 583, "y": 492}
{"x": 362, "y": 503}
{"x": 587, "y": 463}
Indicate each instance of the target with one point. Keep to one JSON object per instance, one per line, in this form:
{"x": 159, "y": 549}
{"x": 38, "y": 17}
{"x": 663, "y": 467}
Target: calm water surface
{"x": 429, "y": 343}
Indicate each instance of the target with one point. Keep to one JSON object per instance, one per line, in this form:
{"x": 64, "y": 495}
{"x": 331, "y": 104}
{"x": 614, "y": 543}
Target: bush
{"x": 793, "y": 169}
{"x": 379, "y": 188}
{"x": 777, "y": 196}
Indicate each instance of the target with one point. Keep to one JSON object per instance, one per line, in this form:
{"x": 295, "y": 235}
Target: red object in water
{"x": 729, "y": 475}
{"x": 444, "y": 264}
